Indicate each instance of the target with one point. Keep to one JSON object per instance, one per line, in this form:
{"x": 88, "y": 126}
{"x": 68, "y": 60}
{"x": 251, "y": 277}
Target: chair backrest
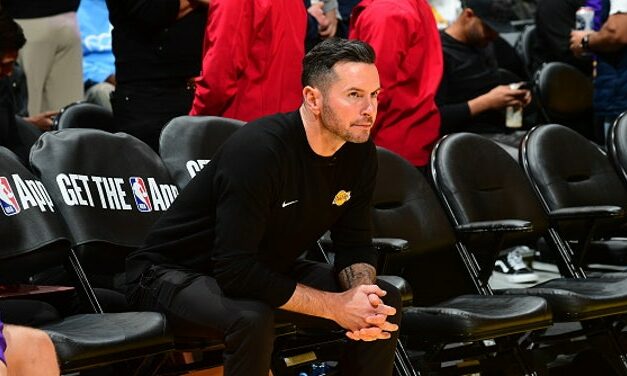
{"x": 27, "y": 133}
{"x": 479, "y": 181}
{"x": 84, "y": 115}
{"x": 564, "y": 95}
{"x": 33, "y": 238}
{"x": 524, "y": 47}
{"x": 405, "y": 207}
{"x": 617, "y": 145}
{"x": 109, "y": 188}
{"x": 569, "y": 170}
{"x": 187, "y": 143}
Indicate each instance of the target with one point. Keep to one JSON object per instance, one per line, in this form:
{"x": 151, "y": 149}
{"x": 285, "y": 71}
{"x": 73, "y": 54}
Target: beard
{"x": 332, "y": 123}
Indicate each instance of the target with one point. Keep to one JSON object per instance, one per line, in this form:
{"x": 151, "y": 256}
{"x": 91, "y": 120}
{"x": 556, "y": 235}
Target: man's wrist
{"x": 585, "y": 43}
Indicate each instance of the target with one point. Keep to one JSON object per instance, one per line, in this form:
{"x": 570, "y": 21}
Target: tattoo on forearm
{"x": 357, "y": 274}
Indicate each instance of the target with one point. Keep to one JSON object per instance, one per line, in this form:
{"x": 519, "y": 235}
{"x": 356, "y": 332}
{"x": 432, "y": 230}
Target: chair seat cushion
{"x": 87, "y": 339}
{"x": 580, "y": 299}
{"x": 476, "y": 317}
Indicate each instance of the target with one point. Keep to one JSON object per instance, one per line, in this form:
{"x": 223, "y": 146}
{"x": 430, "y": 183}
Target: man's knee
{"x": 256, "y": 321}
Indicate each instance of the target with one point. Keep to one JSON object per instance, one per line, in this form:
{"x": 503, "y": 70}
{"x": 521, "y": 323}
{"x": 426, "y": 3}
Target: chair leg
{"x": 522, "y": 363}
{"x": 607, "y": 341}
{"x": 402, "y": 364}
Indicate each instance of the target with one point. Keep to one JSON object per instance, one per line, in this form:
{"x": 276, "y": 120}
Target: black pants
{"x": 195, "y": 306}
{"x": 143, "y": 109}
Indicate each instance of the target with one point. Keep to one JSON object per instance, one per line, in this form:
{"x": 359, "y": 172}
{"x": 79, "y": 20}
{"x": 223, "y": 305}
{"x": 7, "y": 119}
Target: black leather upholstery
{"x": 188, "y": 142}
{"x": 477, "y": 193}
{"x": 617, "y": 145}
{"x": 575, "y": 180}
{"x": 84, "y": 115}
{"x": 464, "y": 165}
{"x": 405, "y": 206}
{"x": 34, "y": 240}
{"x": 570, "y": 170}
{"x": 524, "y": 47}
{"x": 580, "y": 299}
{"x": 109, "y": 188}
{"x": 564, "y": 95}
{"x": 84, "y": 340}
{"x": 476, "y": 317}
{"x": 33, "y": 237}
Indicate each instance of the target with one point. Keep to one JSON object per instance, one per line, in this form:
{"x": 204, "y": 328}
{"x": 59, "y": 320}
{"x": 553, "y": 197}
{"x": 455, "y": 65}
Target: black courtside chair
{"x": 580, "y": 192}
{"x": 564, "y": 96}
{"x": 35, "y": 241}
{"x": 187, "y": 143}
{"x": 84, "y": 115}
{"x": 109, "y": 189}
{"x": 448, "y": 307}
{"x": 617, "y": 145}
{"x": 493, "y": 206}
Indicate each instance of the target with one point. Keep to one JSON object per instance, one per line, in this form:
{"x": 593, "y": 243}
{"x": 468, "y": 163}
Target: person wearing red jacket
{"x": 252, "y": 57}
{"x": 405, "y": 38}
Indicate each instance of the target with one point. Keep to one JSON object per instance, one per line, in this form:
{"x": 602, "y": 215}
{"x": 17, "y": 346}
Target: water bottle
{"x": 514, "y": 115}
{"x": 318, "y": 369}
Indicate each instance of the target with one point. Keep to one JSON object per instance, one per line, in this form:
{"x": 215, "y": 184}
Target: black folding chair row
{"x": 109, "y": 189}
{"x": 453, "y": 320}
{"x": 492, "y": 205}
{"x": 35, "y": 241}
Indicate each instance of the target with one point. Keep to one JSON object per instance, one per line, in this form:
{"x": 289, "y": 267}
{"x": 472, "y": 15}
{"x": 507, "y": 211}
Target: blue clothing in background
{"x": 3, "y": 345}
{"x": 98, "y": 60}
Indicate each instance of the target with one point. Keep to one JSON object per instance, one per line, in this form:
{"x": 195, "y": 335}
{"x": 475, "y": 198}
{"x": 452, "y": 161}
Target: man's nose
{"x": 370, "y": 107}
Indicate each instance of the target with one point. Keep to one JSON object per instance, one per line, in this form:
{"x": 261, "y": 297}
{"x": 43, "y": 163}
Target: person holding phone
{"x": 476, "y": 96}
{"x": 475, "y": 93}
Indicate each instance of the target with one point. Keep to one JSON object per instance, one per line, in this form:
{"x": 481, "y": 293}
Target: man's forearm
{"x": 612, "y": 36}
{"x": 310, "y": 301}
{"x": 357, "y": 274}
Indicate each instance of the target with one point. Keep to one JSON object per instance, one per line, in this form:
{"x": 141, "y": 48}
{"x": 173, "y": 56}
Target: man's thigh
{"x": 195, "y": 305}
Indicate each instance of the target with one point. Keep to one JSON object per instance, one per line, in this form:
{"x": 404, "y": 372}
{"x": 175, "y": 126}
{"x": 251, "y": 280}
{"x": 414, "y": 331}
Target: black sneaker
{"x": 512, "y": 267}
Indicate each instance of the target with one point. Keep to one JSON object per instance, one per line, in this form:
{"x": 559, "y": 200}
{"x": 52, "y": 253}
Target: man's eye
{"x": 353, "y": 94}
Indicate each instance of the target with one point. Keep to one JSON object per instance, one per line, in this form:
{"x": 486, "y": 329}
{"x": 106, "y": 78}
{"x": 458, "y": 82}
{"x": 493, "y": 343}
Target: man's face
{"x": 478, "y": 34}
{"x": 7, "y": 59}
{"x": 349, "y": 103}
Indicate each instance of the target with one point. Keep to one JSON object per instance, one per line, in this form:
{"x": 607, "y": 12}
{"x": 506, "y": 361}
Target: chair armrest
{"x": 384, "y": 245}
{"x": 500, "y": 226}
{"x": 587, "y": 212}
{"x": 402, "y": 286}
{"x": 390, "y": 245}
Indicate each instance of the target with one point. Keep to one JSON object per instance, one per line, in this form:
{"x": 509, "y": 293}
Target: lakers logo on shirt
{"x": 341, "y": 197}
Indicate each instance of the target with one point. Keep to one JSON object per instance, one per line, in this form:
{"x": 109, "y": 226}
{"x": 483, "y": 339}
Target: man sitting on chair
{"x": 228, "y": 251}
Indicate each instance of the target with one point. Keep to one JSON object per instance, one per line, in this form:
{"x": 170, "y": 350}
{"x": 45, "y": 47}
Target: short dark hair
{"x": 318, "y": 63}
{"x": 11, "y": 34}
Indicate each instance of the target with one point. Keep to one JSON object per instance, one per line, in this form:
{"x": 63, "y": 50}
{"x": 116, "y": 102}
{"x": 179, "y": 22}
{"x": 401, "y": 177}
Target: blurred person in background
{"x": 405, "y": 38}
{"x": 157, "y": 46}
{"x": 609, "y": 45}
{"x": 52, "y": 57}
{"x": 253, "y": 69}
{"x": 98, "y": 60}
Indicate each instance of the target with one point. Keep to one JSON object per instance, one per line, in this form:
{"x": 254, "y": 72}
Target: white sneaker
{"x": 512, "y": 267}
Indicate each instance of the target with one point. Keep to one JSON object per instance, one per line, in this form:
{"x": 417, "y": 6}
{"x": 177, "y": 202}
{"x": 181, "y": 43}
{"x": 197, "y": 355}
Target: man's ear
{"x": 313, "y": 99}
{"x": 468, "y": 13}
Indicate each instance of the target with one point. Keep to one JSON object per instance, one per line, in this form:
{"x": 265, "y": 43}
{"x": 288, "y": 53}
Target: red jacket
{"x": 252, "y": 58}
{"x": 405, "y": 38}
